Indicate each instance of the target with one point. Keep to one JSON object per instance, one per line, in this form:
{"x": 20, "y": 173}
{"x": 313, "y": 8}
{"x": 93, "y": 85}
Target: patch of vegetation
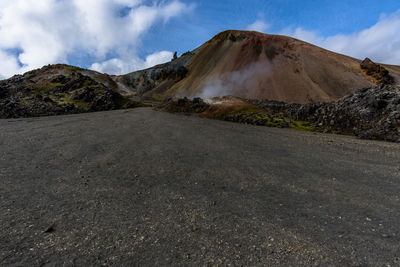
{"x": 43, "y": 87}
{"x": 69, "y": 100}
{"x": 71, "y": 69}
{"x": 259, "y": 117}
{"x": 241, "y": 112}
{"x": 158, "y": 97}
{"x": 123, "y": 102}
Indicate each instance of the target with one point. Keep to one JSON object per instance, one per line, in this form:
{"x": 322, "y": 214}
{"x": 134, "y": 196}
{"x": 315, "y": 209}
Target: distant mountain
{"x": 258, "y": 66}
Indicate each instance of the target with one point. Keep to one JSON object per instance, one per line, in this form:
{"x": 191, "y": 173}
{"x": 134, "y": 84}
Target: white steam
{"x": 237, "y": 83}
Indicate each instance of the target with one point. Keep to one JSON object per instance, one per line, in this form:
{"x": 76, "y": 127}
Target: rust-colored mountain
{"x": 255, "y": 65}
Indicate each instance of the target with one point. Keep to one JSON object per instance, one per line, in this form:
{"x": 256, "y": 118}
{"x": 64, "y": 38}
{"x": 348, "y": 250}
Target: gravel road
{"x": 146, "y": 188}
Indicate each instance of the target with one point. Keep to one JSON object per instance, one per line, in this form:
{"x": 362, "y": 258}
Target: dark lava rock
{"x": 175, "y": 57}
{"x": 370, "y": 113}
{"x": 50, "y": 229}
{"x": 60, "y": 79}
{"x": 47, "y": 99}
{"x": 87, "y": 94}
{"x": 146, "y": 80}
{"x": 102, "y": 102}
{"x": 185, "y": 105}
{"x": 376, "y": 71}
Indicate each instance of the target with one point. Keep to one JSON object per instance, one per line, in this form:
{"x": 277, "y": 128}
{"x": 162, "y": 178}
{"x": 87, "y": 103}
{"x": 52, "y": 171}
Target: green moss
{"x": 260, "y": 117}
{"x": 304, "y": 126}
{"x": 157, "y": 97}
{"x": 63, "y": 99}
{"x": 72, "y": 69}
{"x": 68, "y": 101}
{"x": 40, "y": 88}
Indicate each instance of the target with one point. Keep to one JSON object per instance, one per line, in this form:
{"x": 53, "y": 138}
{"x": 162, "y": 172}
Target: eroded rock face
{"x": 143, "y": 81}
{"x": 376, "y": 71}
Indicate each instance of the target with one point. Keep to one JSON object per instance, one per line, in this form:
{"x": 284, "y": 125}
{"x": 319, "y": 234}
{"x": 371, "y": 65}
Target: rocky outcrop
{"x": 185, "y": 105}
{"x": 370, "y": 113}
{"x": 377, "y": 72}
{"x": 160, "y": 77}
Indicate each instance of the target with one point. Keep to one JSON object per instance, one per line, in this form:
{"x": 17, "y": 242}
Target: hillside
{"x": 257, "y": 66}
{"x": 59, "y": 89}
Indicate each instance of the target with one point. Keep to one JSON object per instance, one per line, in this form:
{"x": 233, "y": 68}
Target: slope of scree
{"x": 59, "y": 89}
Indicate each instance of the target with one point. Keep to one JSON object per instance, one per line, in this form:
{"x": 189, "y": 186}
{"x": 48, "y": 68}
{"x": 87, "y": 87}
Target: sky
{"x": 120, "y": 36}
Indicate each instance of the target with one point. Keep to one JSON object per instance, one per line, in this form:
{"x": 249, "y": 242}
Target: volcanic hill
{"x": 257, "y": 66}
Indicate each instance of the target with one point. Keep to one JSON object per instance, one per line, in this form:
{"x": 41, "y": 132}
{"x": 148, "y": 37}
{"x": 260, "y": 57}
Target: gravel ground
{"x": 146, "y": 188}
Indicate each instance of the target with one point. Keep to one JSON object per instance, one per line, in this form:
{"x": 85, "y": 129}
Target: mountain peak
{"x": 239, "y": 35}
{"x": 251, "y": 64}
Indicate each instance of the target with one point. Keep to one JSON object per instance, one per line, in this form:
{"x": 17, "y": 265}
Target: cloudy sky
{"x": 119, "y": 36}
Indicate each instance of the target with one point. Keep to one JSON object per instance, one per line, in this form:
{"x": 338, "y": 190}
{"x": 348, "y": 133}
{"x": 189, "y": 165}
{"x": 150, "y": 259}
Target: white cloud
{"x": 158, "y": 58}
{"x": 259, "y": 26}
{"x": 49, "y": 31}
{"x": 8, "y": 65}
{"x": 131, "y": 63}
{"x": 381, "y": 42}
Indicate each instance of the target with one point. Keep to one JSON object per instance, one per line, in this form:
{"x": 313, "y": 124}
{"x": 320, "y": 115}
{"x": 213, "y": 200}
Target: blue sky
{"x": 326, "y": 17}
{"x": 119, "y": 36}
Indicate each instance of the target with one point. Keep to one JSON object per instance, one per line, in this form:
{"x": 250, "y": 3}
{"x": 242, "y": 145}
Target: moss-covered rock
{"x": 238, "y": 110}
{"x": 58, "y": 89}
{"x": 369, "y": 113}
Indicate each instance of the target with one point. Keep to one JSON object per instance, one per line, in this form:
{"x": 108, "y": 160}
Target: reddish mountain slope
{"x": 254, "y": 65}
{"x": 258, "y": 66}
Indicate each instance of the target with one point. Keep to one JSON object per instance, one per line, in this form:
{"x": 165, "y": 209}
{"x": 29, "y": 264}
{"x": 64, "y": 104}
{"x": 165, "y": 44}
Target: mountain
{"x": 243, "y": 64}
{"x": 257, "y": 66}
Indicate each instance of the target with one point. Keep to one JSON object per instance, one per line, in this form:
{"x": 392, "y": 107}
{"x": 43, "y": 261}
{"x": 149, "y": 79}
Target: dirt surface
{"x": 146, "y": 188}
